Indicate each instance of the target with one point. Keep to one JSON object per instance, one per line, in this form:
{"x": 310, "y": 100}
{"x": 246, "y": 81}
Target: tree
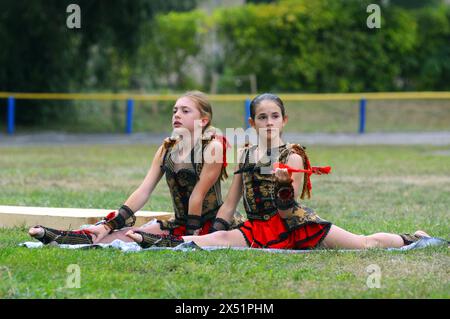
{"x": 40, "y": 54}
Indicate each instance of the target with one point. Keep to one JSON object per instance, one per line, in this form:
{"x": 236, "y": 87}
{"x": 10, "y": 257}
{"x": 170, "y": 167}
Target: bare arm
{"x": 208, "y": 177}
{"x": 141, "y": 195}
{"x": 227, "y": 210}
{"x": 294, "y": 161}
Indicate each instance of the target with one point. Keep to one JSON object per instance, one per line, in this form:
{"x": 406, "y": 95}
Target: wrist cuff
{"x": 284, "y": 195}
{"x": 193, "y": 223}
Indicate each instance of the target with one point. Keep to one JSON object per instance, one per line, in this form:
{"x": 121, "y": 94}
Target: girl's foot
{"x": 437, "y": 241}
{"x": 48, "y": 235}
{"x": 146, "y": 240}
{"x": 408, "y": 239}
{"x": 36, "y": 232}
{"x": 421, "y": 233}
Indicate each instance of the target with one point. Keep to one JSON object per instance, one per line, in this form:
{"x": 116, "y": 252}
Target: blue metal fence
{"x": 129, "y": 119}
{"x": 362, "y": 116}
{"x": 130, "y": 113}
{"x": 247, "y": 113}
{"x": 11, "y": 115}
{"x": 11, "y": 110}
{"x": 131, "y": 98}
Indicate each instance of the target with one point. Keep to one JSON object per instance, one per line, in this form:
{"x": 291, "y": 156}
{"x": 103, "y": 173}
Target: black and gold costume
{"x": 181, "y": 183}
{"x": 265, "y": 228}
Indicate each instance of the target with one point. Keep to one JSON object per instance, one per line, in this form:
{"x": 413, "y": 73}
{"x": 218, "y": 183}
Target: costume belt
{"x": 259, "y": 216}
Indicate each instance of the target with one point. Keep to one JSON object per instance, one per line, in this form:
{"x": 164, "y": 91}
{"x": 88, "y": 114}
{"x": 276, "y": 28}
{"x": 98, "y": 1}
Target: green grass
{"x": 372, "y": 188}
{"x": 329, "y": 117}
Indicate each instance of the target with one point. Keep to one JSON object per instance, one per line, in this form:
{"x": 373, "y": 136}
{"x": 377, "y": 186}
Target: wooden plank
{"x": 64, "y": 218}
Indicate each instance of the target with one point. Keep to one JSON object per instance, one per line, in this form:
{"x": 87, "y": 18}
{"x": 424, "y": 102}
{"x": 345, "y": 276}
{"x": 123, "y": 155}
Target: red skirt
{"x": 273, "y": 233}
{"x": 181, "y": 230}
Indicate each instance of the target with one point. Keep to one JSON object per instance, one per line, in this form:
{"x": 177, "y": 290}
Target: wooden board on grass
{"x": 64, "y": 218}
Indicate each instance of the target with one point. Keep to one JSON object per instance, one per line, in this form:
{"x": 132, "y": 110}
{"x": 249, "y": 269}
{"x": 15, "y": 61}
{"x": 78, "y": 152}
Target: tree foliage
{"x": 290, "y": 45}
{"x": 309, "y": 46}
{"x": 40, "y": 54}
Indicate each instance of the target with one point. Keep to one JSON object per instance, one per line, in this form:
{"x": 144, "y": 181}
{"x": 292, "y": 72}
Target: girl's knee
{"x": 371, "y": 242}
{"x": 221, "y": 235}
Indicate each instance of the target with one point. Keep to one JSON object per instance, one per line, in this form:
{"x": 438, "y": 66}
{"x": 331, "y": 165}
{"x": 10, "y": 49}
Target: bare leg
{"x": 340, "y": 238}
{"x": 232, "y": 238}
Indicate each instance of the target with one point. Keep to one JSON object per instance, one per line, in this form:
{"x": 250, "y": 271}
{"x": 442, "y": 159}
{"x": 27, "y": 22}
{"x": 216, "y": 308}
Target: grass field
{"x": 324, "y": 117}
{"x": 372, "y": 188}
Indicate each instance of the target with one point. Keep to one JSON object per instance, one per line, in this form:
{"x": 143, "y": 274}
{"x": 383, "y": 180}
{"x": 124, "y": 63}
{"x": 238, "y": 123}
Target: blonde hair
{"x": 209, "y": 131}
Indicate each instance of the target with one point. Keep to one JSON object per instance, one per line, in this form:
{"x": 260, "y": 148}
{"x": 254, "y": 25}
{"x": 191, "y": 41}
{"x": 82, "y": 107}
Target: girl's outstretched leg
{"x": 342, "y": 239}
{"x": 232, "y": 238}
{"x": 48, "y": 235}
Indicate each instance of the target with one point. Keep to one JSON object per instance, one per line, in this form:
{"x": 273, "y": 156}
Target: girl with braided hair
{"x": 194, "y": 163}
{"x": 275, "y": 218}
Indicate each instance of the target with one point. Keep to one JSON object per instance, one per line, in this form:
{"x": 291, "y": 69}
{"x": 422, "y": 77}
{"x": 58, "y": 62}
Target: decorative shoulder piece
{"x": 170, "y": 142}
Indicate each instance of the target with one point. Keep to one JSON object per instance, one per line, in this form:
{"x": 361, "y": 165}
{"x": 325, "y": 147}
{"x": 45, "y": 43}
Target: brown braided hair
{"x": 301, "y": 150}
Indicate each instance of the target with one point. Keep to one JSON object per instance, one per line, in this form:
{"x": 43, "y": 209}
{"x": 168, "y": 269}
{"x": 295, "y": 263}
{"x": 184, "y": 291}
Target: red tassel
{"x": 319, "y": 170}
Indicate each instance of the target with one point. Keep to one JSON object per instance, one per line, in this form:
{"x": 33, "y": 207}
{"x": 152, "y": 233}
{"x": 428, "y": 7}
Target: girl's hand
{"x": 196, "y": 233}
{"x": 98, "y": 232}
{"x": 282, "y": 176}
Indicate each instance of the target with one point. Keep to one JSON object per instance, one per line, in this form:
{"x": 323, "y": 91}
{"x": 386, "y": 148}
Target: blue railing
{"x": 130, "y": 99}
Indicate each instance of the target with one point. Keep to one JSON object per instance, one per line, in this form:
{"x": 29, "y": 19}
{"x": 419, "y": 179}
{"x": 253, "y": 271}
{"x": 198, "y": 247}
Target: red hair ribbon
{"x": 225, "y": 145}
{"x": 318, "y": 170}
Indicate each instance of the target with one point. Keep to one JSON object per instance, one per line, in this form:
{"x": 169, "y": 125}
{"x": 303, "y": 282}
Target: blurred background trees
{"x": 152, "y": 46}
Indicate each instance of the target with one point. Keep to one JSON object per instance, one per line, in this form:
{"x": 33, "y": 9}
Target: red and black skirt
{"x": 275, "y": 233}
